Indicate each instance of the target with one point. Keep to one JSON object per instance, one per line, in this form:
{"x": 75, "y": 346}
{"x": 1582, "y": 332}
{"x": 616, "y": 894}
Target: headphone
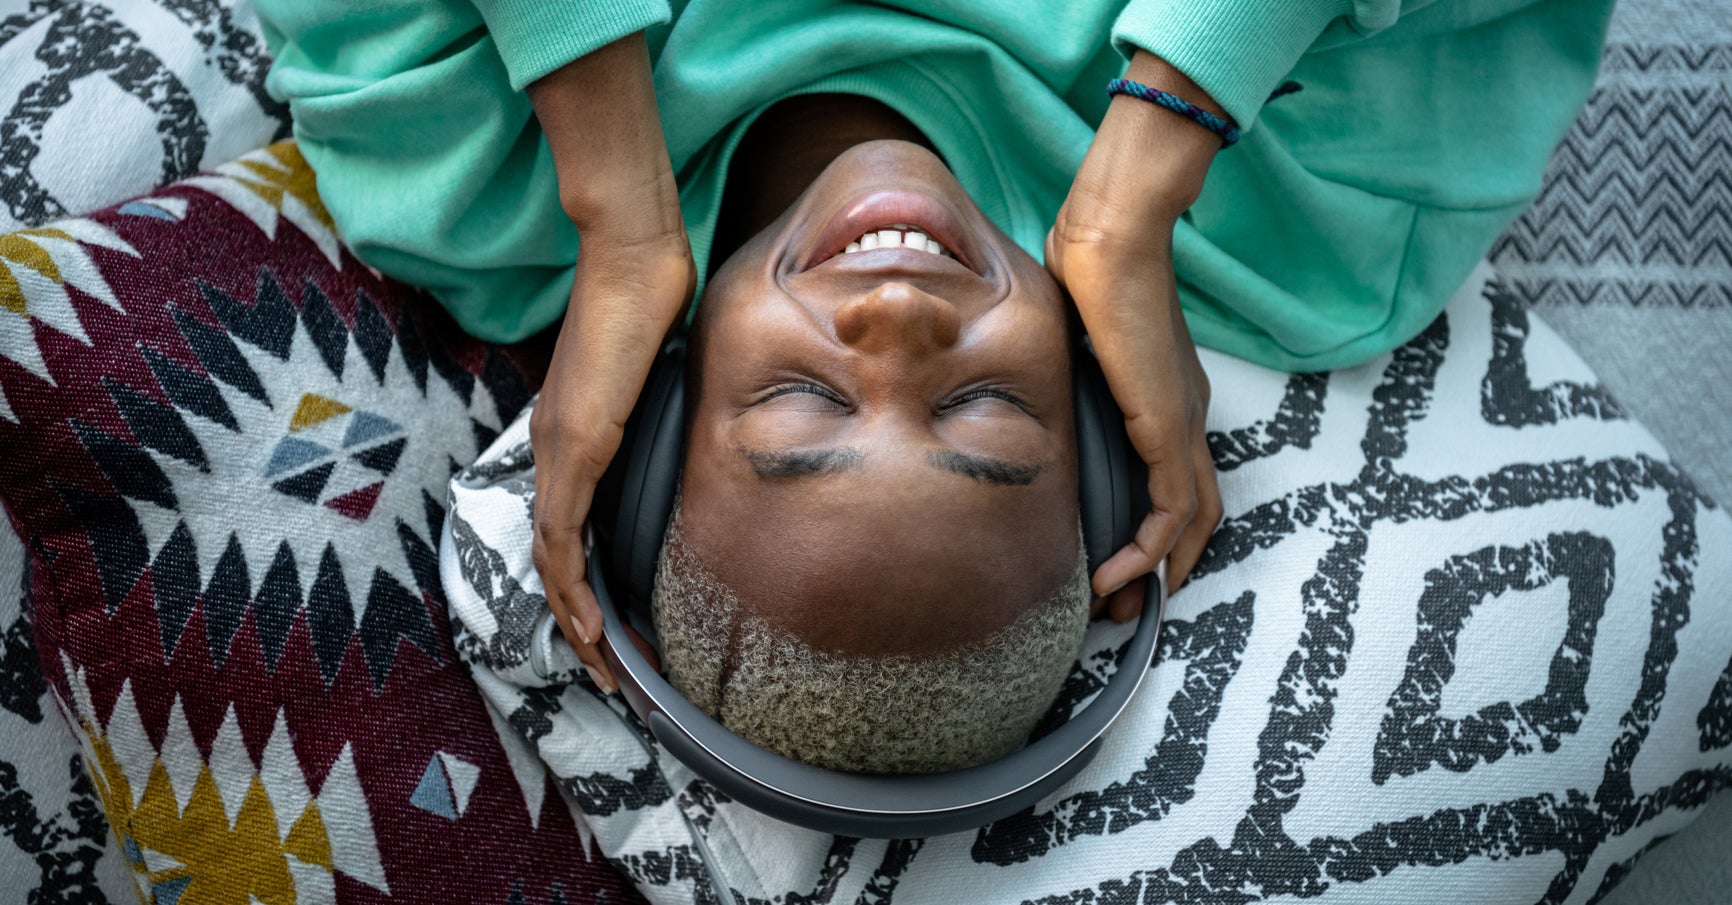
{"x": 638, "y": 492}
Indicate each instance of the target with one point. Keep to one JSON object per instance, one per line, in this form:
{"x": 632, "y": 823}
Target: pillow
{"x": 100, "y": 100}
{"x": 225, "y": 444}
{"x": 107, "y": 99}
{"x": 1464, "y": 635}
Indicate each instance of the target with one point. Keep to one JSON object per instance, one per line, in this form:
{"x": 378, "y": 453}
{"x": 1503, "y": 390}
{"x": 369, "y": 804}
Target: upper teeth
{"x": 897, "y": 235}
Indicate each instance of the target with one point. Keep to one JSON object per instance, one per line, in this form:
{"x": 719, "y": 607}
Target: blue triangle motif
{"x": 433, "y": 793}
{"x": 168, "y": 892}
{"x": 141, "y": 209}
{"x": 292, "y": 452}
{"x": 367, "y": 426}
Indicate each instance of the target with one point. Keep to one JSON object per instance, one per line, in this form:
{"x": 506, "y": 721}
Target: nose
{"x": 898, "y": 316}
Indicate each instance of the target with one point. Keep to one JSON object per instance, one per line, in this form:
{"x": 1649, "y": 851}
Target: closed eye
{"x": 976, "y": 395}
{"x": 809, "y": 389}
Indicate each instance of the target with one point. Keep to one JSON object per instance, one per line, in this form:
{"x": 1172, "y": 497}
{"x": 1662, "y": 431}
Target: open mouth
{"x": 895, "y": 220}
{"x": 897, "y": 235}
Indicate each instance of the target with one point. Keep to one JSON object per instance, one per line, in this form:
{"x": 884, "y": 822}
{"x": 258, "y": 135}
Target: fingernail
{"x": 605, "y": 686}
{"x": 580, "y": 632}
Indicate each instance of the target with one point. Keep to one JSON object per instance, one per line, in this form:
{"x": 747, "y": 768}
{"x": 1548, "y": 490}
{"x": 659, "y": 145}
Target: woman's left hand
{"x": 1111, "y": 248}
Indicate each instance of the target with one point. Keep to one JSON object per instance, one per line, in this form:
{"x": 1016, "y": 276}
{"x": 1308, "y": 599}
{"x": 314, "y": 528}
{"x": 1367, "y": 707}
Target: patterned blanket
{"x": 1625, "y": 253}
{"x": 1463, "y": 624}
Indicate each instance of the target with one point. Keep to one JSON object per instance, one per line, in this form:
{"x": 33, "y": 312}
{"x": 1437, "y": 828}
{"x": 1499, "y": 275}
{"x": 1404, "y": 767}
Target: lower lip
{"x": 882, "y": 208}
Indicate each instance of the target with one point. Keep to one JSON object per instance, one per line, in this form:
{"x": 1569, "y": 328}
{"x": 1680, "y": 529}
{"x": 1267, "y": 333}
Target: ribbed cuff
{"x": 535, "y": 37}
{"x": 1237, "y": 50}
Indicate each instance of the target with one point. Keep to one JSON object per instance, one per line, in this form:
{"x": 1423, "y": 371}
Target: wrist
{"x": 1155, "y": 72}
{"x": 603, "y": 130}
{"x": 1156, "y": 158}
{"x": 635, "y": 219}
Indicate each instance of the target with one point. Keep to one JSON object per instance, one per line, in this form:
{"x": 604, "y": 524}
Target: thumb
{"x": 1054, "y": 263}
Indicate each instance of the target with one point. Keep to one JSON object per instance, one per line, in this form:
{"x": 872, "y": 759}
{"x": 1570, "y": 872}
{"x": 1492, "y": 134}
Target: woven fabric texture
{"x": 224, "y": 443}
{"x": 101, "y": 100}
{"x": 1464, "y": 634}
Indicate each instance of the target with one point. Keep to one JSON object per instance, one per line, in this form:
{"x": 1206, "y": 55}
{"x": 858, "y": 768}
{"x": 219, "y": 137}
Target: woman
{"x": 1334, "y": 232}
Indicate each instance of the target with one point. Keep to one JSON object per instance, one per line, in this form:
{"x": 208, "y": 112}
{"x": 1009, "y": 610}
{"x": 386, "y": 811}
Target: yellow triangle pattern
{"x": 222, "y": 863}
{"x": 12, "y": 294}
{"x": 293, "y": 178}
{"x": 272, "y": 184}
{"x": 17, "y": 248}
{"x": 315, "y": 409}
{"x": 37, "y": 266}
{"x": 308, "y": 840}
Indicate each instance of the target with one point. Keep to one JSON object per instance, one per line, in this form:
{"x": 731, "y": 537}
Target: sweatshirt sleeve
{"x": 535, "y": 37}
{"x": 1238, "y": 50}
{"x": 428, "y": 155}
{"x": 1343, "y": 224}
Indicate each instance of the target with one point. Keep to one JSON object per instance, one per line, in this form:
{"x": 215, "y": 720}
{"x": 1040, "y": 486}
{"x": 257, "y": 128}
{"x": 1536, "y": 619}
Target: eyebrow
{"x": 1002, "y": 472}
{"x": 801, "y": 463}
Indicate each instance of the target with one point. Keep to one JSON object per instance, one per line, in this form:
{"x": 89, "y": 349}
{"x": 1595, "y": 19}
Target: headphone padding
{"x": 1112, "y": 488}
{"x": 655, "y": 449}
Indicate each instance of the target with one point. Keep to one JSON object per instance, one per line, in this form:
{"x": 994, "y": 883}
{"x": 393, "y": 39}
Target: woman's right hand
{"x": 634, "y": 277}
{"x": 1111, "y": 249}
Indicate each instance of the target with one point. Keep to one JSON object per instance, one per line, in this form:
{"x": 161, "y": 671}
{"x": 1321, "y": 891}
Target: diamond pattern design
{"x": 239, "y": 446}
{"x": 246, "y": 462}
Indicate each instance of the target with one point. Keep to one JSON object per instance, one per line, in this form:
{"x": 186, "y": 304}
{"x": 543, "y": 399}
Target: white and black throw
{"x": 102, "y": 100}
{"x": 1465, "y": 634}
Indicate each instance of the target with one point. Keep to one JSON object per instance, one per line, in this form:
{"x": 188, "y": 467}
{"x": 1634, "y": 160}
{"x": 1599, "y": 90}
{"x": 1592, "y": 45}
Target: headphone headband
{"x": 884, "y": 807}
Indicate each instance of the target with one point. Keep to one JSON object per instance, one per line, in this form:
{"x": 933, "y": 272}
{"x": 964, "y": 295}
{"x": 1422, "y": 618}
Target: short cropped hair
{"x": 862, "y": 714}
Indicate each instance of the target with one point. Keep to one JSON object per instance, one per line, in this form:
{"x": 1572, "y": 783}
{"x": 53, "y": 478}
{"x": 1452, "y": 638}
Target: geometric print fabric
{"x": 54, "y": 840}
{"x": 1640, "y": 183}
{"x": 225, "y": 447}
{"x": 1636, "y": 208}
{"x": 1463, "y": 634}
{"x": 101, "y": 100}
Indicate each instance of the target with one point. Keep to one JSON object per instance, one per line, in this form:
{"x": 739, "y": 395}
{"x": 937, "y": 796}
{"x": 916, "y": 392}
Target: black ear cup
{"x": 644, "y": 478}
{"x": 1112, "y": 481}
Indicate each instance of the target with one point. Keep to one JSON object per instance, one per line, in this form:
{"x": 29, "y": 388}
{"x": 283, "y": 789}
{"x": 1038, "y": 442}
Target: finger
{"x": 560, "y": 587}
{"x": 1188, "y": 550}
{"x": 559, "y": 556}
{"x": 587, "y": 653}
{"x": 594, "y": 661}
{"x": 562, "y": 618}
{"x": 1173, "y": 492}
{"x": 1097, "y": 606}
{"x": 1126, "y": 603}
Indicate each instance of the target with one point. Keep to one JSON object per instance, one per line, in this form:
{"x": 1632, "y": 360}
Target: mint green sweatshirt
{"x": 1335, "y": 230}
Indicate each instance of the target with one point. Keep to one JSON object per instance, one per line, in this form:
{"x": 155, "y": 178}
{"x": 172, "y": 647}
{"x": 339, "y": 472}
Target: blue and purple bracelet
{"x": 1228, "y": 132}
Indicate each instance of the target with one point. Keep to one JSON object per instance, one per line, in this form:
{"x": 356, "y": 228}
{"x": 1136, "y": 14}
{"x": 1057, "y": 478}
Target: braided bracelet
{"x": 1228, "y": 132}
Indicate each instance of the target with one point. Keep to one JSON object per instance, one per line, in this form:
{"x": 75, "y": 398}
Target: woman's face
{"x": 882, "y": 454}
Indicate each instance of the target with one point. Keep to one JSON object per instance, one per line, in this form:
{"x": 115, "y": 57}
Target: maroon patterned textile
{"x": 225, "y": 444}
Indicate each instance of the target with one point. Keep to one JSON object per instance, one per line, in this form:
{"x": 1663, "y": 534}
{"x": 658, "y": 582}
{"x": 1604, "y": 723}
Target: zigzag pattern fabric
{"x": 1464, "y": 634}
{"x": 225, "y": 444}
{"x": 1637, "y": 203}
